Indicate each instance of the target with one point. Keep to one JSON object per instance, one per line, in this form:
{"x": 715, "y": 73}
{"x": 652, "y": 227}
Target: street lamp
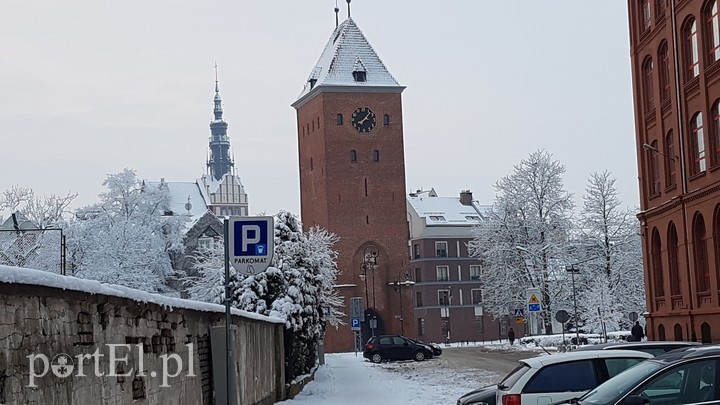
{"x": 369, "y": 263}
{"x": 406, "y": 277}
{"x": 572, "y": 270}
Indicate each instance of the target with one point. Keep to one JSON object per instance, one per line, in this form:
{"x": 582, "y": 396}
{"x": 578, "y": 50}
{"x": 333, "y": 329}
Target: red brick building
{"x": 352, "y": 180}
{"x": 675, "y": 53}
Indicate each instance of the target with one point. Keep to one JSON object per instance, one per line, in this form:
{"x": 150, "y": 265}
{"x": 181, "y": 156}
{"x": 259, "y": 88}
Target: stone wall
{"x": 55, "y": 350}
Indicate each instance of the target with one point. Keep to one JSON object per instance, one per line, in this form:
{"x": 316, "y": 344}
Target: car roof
{"x": 630, "y": 345}
{"x": 688, "y": 353}
{"x": 541, "y": 361}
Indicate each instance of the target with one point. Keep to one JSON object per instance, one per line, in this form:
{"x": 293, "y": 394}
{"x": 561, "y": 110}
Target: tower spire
{"x": 337, "y": 10}
{"x": 217, "y": 90}
{"x": 218, "y": 101}
{"x": 348, "y": 2}
{"x": 219, "y": 162}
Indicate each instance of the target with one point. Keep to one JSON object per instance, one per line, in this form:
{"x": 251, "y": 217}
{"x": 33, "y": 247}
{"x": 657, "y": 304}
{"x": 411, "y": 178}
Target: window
{"x": 673, "y": 264}
{"x": 648, "y": 84}
{"x": 690, "y": 383}
{"x": 691, "y": 50}
{"x": 713, "y": 31}
{"x": 716, "y": 238}
{"x": 441, "y": 249}
{"x": 715, "y": 134}
{"x": 386, "y": 119}
{"x": 353, "y": 155}
{"x": 702, "y": 271}
{"x": 444, "y": 297}
{"x": 442, "y": 273}
{"x": 418, "y": 275}
{"x": 476, "y": 296}
{"x": 670, "y": 180}
{"x": 416, "y": 251}
{"x": 678, "y": 332}
{"x": 474, "y": 272}
{"x": 616, "y": 366}
{"x": 572, "y": 376}
{"x": 205, "y": 243}
{"x": 697, "y": 140}
{"x": 646, "y": 16}
{"x": 661, "y": 332}
{"x": 660, "y": 7}
{"x": 421, "y": 326}
{"x": 705, "y": 336}
{"x": 376, "y": 155}
{"x": 340, "y": 119}
{"x": 654, "y": 162}
{"x": 664, "y": 73}
{"x": 418, "y": 299}
{"x": 360, "y": 76}
{"x": 437, "y": 218}
{"x": 657, "y": 264}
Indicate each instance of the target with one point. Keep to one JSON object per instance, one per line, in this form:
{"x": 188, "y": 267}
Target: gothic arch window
{"x": 656, "y": 250}
{"x": 664, "y": 71}
{"x": 386, "y": 119}
{"x": 713, "y": 30}
{"x": 715, "y": 133}
{"x": 690, "y": 49}
{"x": 340, "y": 119}
{"x": 705, "y": 334}
{"x": 654, "y": 169}
{"x": 697, "y": 144}
{"x": 661, "y": 332}
{"x": 702, "y": 270}
{"x": 376, "y": 155}
{"x": 678, "y": 332}
{"x": 648, "y": 94}
{"x": 670, "y": 162}
{"x": 353, "y": 155}
{"x": 660, "y": 6}
{"x": 673, "y": 262}
{"x": 646, "y": 15}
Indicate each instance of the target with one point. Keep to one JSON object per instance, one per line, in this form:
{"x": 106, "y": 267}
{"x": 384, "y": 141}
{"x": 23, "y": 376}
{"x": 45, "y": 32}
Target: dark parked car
{"x": 436, "y": 349}
{"x": 395, "y": 347}
{"x": 655, "y": 348}
{"x": 683, "y": 376}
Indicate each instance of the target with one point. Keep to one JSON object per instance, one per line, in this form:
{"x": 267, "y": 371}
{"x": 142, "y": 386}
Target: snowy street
{"x": 347, "y": 379}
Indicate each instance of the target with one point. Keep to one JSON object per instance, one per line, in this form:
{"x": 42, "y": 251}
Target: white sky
{"x": 89, "y": 87}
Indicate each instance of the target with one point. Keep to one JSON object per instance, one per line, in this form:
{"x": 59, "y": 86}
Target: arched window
{"x": 697, "y": 144}
{"x": 376, "y": 155}
{"x": 705, "y": 335}
{"x": 715, "y": 134}
{"x": 353, "y": 155}
{"x": 673, "y": 263}
{"x": 702, "y": 270}
{"x": 661, "y": 332}
{"x": 386, "y": 119}
{"x": 654, "y": 169}
{"x": 670, "y": 161}
{"x": 660, "y": 6}
{"x": 678, "y": 332}
{"x": 646, "y": 15}
{"x": 648, "y": 68}
{"x": 657, "y": 270}
{"x": 664, "y": 71}
{"x": 713, "y": 31}
{"x": 692, "y": 60}
{"x": 339, "y": 119}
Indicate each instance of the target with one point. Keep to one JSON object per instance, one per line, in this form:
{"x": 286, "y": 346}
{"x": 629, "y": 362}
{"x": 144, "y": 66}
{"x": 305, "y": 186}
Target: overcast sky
{"x": 89, "y": 87}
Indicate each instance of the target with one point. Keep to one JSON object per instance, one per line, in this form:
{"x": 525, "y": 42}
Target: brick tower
{"x": 352, "y": 181}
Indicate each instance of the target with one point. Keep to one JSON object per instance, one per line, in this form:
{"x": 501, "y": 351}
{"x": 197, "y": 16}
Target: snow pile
{"x": 17, "y": 275}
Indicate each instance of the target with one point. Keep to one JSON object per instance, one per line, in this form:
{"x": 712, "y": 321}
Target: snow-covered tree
{"x": 296, "y": 287}
{"x": 610, "y": 253}
{"x": 209, "y": 282}
{"x": 522, "y": 243}
{"x": 324, "y": 261}
{"x": 125, "y": 239}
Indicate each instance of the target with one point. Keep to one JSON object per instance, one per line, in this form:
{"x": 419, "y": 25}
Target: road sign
{"x": 562, "y": 316}
{"x": 520, "y": 320}
{"x": 519, "y": 311}
{"x": 251, "y": 243}
{"x": 633, "y": 316}
{"x": 355, "y": 324}
{"x": 356, "y": 307}
{"x": 534, "y": 303}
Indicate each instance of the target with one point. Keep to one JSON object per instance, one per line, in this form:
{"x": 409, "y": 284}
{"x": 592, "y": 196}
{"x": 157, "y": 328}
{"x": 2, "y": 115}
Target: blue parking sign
{"x": 250, "y": 243}
{"x": 355, "y": 324}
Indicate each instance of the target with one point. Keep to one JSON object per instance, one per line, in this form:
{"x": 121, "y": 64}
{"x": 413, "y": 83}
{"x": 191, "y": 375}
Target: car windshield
{"x": 615, "y": 388}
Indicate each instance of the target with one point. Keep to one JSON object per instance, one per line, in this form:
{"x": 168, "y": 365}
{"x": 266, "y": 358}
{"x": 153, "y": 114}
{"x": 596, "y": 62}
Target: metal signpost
{"x": 249, "y": 248}
{"x": 534, "y": 305}
{"x": 562, "y": 316}
{"x": 356, "y": 316}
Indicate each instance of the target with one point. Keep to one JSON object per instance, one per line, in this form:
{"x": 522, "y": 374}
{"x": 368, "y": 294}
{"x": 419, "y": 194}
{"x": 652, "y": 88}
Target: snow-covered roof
{"x": 347, "y": 51}
{"x": 22, "y": 222}
{"x": 180, "y": 193}
{"x": 447, "y": 211}
{"x": 19, "y": 275}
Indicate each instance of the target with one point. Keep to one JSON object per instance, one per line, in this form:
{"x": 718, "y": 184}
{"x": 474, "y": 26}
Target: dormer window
{"x": 360, "y": 76}
{"x": 312, "y": 82}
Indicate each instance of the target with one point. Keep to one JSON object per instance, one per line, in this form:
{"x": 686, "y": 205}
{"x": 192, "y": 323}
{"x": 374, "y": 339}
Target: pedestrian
{"x": 511, "y": 336}
{"x": 637, "y": 332}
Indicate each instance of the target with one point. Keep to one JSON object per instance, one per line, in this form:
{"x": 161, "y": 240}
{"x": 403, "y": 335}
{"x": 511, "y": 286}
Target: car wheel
{"x": 419, "y": 355}
{"x": 376, "y": 358}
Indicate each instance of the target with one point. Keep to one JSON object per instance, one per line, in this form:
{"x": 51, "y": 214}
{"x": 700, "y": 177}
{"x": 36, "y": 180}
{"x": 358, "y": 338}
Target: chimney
{"x": 466, "y": 197}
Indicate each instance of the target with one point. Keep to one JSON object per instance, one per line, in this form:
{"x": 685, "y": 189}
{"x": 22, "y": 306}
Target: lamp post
{"x": 572, "y": 270}
{"x": 369, "y": 263}
{"x": 406, "y": 277}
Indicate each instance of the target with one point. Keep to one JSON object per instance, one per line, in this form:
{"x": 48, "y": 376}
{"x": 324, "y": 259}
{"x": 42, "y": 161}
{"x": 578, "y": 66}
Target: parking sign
{"x": 250, "y": 243}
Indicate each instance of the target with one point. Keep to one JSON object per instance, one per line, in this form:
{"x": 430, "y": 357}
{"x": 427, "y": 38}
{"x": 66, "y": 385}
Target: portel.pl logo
{"x": 63, "y": 365}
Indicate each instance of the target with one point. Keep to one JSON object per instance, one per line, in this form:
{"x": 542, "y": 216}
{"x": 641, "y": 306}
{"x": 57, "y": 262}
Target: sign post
{"x": 249, "y": 247}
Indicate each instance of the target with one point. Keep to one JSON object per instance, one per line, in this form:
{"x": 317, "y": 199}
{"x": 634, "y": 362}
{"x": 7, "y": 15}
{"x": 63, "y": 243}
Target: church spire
{"x": 220, "y": 162}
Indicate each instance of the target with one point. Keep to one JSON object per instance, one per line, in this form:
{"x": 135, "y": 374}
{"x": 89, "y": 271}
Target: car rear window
{"x": 617, "y": 366}
{"x": 572, "y": 376}
{"x": 514, "y": 376}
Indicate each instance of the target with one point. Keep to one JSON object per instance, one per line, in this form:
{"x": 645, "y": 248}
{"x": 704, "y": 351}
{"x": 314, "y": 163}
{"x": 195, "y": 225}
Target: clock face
{"x": 363, "y": 119}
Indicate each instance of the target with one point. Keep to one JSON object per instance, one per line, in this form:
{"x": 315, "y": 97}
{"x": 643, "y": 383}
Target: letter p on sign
{"x": 250, "y": 236}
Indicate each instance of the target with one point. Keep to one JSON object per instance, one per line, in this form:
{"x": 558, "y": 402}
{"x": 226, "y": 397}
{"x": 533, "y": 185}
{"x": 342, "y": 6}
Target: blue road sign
{"x": 355, "y": 324}
{"x": 534, "y": 307}
{"x": 251, "y": 243}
